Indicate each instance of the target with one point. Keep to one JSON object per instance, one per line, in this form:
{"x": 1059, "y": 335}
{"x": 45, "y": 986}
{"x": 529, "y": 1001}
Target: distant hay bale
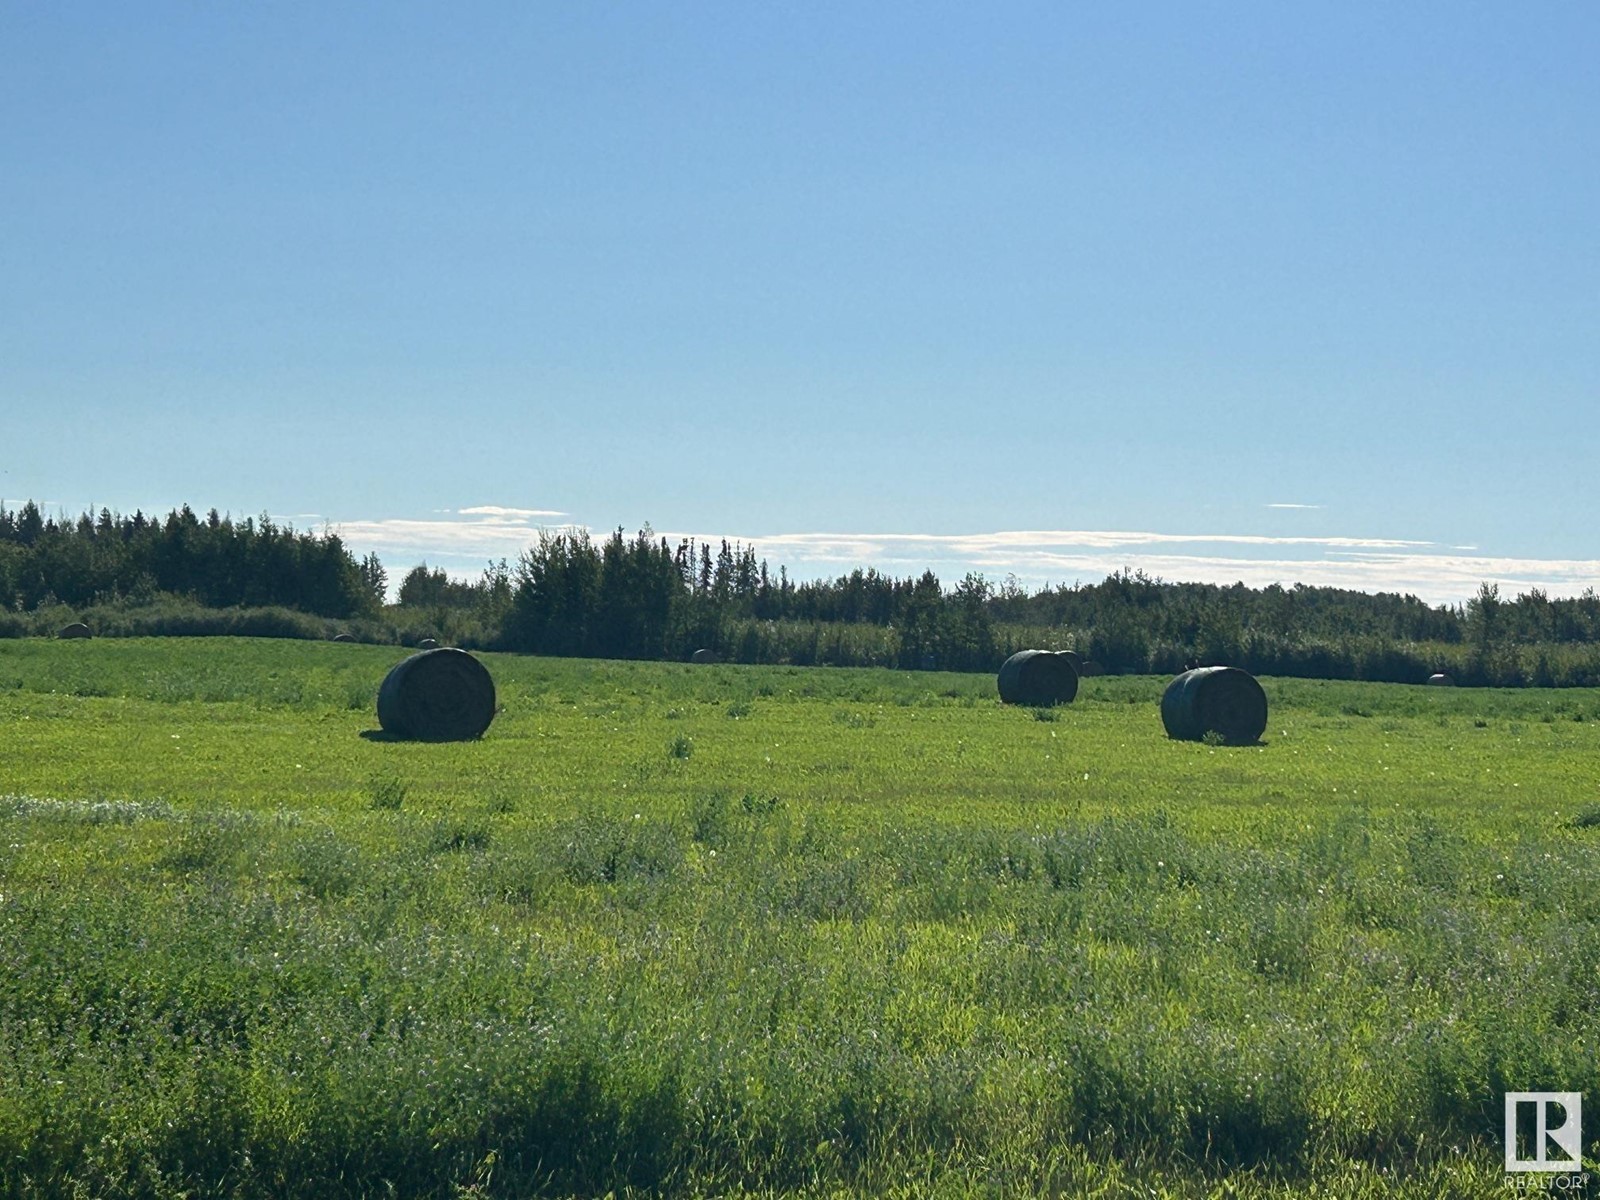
{"x": 344, "y": 637}
{"x": 76, "y": 630}
{"x": 1039, "y": 678}
{"x": 428, "y": 644}
{"x": 705, "y": 655}
{"x": 1221, "y": 700}
{"x": 1440, "y": 679}
{"x": 1091, "y": 668}
{"x": 1074, "y": 658}
{"x": 437, "y": 696}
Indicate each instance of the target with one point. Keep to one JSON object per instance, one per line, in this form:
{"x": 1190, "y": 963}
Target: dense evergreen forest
{"x": 642, "y": 597}
{"x": 210, "y": 560}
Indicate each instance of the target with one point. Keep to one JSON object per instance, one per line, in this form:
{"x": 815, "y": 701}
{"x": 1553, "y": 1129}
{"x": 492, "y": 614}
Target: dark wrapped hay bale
{"x": 1039, "y": 678}
{"x": 344, "y": 637}
{"x": 437, "y": 696}
{"x": 1440, "y": 679}
{"x": 1091, "y": 668}
{"x": 1075, "y": 659}
{"x": 1221, "y": 700}
{"x": 76, "y": 630}
{"x": 704, "y": 655}
{"x": 428, "y": 644}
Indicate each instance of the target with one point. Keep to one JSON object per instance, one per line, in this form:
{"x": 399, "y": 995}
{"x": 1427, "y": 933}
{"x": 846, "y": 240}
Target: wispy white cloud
{"x": 851, "y": 546}
{"x": 450, "y": 538}
{"x": 462, "y": 542}
{"x": 1294, "y": 506}
{"x": 495, "y": 510}
{"x": 1438, "y": 578}
{"x": 1370, "y": 564}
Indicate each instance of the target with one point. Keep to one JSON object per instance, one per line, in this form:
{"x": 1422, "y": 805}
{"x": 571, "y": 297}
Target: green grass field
{"x": 728, "y": 930}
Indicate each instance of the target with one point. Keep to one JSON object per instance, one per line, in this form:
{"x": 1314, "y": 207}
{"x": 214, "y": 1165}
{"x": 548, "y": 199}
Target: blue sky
{"x": 1220, "y": 290}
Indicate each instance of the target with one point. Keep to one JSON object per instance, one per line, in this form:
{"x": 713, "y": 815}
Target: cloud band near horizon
{"x": 463, "y": 542}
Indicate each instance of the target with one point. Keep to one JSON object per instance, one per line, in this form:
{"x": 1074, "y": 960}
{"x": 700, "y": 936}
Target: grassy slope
{"x": 698, "y": 929}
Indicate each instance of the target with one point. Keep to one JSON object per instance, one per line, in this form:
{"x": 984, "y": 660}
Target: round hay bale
{"x": 1039, "y": 678}
{"x": 344, "y": 637}
{"x": 437, "y": 696}
{"x": 76, "y": 630}
{"x": 428, "y": 644}
{"x": 1074, "y": 658}
{"x": 1091, "y": 668}
{"x": 704, "y": 655}
{"x": 1440, "y": 679}
{"x": 1221, "y": 700}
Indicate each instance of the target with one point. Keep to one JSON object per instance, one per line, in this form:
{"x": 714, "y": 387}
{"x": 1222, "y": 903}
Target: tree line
{"x": 641, "y": 596}
{"x": 217, "y": 562}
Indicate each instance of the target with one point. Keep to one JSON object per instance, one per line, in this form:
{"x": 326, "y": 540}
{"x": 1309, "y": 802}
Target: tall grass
{"x": 758, "y": 1000}
{"x": 877, "y": 935}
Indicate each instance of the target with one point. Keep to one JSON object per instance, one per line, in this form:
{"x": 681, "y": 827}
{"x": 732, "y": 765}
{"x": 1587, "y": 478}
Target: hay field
{"x": 726, "y": 930}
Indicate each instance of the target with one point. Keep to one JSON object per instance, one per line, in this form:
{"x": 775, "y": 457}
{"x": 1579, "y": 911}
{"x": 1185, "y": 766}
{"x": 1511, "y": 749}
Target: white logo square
{"x": 1557, "y": 1124}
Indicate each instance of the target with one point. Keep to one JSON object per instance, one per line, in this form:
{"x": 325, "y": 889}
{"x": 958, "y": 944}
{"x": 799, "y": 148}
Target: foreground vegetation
{"x": 714, "y": 930}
